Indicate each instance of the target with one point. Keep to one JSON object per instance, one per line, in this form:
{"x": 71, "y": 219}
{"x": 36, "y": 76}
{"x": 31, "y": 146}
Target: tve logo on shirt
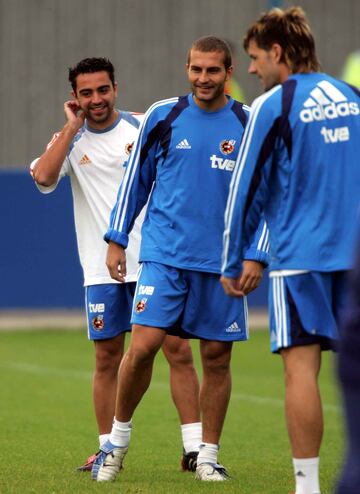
{"x": 222, "y": 163}
{"x": 226, "y": 147}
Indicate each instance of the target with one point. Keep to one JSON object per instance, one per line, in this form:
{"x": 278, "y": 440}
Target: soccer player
{"x": 349, "y": 372}
{"x": 92, "y": 149}
{"x": 182, "y": 164}
{"x": 299, "y": 165}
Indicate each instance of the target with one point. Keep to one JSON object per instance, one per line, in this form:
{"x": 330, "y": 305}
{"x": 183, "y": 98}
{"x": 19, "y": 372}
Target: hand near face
{"x": 75, "y": 116}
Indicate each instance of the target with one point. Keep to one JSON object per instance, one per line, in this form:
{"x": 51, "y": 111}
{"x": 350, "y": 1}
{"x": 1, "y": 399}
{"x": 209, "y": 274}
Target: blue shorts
{"x": 108, "y": 309}
{"x": 305, "y": 308}
{"x": 190, "y": 304}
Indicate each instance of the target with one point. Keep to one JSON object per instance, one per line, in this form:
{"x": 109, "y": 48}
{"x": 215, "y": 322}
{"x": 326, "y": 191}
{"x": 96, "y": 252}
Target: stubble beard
{"x": 218, "y": 92}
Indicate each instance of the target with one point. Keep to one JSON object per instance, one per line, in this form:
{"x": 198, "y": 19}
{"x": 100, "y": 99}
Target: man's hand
{"x": 251, "y": 276}
{"x": 74, "y": 115}
{"x": 230, "y": 286}
{"x": 116, "y": 262}
{"x": 246, "y": 282}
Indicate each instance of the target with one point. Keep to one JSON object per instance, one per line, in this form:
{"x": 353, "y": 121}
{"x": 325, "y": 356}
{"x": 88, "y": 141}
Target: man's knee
{"x": 108, "y": 354}
{"x": 177, "y": 351}
{"x": 302, "y": 364}
{"x": 216, "y": 356}
{"x": 144, "y": 345}
{"x": 140, "y": 355}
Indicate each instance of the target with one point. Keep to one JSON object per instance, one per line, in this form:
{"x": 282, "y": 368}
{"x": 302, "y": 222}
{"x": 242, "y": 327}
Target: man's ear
{"x": 73, "y": 94}
{"x": 229, "y": 72}
{"x": 277, "y": 52}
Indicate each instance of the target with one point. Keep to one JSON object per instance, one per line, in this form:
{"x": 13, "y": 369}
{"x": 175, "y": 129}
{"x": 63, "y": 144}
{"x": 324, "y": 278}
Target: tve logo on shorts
{"x": 146, "y": 290}
{"x": 96, "y": 308}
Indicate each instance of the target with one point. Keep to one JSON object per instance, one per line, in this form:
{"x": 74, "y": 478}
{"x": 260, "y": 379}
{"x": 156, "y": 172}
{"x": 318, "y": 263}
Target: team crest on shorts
{"x": 98, "y": 323}
{"x": 128, "y": 147}
{"x": 141, "y": 305}
{"x": 227, "y": 146}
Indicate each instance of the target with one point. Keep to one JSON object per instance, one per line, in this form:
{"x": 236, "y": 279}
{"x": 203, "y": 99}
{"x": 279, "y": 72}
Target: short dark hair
{"x": 89, "y": 66}
{"x": 290, "y": 29}
{"x": 208, "y": 44}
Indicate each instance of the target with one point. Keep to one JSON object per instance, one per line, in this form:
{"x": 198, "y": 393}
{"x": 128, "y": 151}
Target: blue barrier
{"x": 39, "y": 264}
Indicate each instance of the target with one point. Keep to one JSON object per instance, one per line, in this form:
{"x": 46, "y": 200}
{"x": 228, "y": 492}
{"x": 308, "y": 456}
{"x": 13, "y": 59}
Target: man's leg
{"x": 183, "y": 378}
{"x": 133, "y": 381}
{"x": 184, "y": 386}
{"x": 136, "y": 369}
{"x": 303, "y": 412}
{"x": 108, "y": 308}
{"x": 214, "y": 399}
{"x": 108, "y": 355}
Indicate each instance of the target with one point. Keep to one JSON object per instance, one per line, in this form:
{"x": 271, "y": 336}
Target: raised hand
{"x": 74, "y": 115}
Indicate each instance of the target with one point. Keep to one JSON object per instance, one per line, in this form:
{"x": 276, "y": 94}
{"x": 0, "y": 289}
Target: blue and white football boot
{"x": 211, "y": 472}
{"x": 108, "y": 462}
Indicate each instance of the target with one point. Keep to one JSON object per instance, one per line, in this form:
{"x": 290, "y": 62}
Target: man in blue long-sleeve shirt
{"x": 299, "y": 166}
{"x": 182, "y": 164}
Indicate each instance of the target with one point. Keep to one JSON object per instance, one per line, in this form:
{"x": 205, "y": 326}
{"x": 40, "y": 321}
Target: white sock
{"x": 191, "y": 436}
{"x": 208, "y": 453}
{"x": 103, "y": 438}
{"x": 120, "y": 433}
{"x": 306, "y": 475}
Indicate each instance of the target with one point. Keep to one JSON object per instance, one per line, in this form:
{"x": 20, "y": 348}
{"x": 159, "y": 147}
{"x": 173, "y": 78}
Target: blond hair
{"x": 290, "y": 29}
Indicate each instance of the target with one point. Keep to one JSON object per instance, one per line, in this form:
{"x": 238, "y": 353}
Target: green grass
{"x": 47, "y": 426}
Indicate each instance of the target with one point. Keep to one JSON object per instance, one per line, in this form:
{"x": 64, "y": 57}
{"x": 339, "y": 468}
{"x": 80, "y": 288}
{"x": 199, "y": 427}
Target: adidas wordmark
{"x": 327, "y": 102}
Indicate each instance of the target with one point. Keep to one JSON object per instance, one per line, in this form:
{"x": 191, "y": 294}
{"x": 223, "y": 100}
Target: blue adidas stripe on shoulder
{"x": 129, "y": 117}
{"x": 77, "y": 137}
{"x": 239, "y": 110}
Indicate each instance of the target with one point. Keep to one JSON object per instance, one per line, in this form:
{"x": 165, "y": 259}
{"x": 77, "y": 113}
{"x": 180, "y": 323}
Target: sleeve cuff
{"x": 231, "y": 273}
{"x": 257, "y": 255}
{"x": 117, "y": 237}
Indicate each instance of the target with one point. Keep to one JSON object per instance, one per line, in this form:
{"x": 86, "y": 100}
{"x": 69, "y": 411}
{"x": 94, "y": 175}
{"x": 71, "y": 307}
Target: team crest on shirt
{"x": 227, "y": 146}
{"x": 141, "y": 305}
{"x": 98, "y": 323}
{"x": 128, "y": 147}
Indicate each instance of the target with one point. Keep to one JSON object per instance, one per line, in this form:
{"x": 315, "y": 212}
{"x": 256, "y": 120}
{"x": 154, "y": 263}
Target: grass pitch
{"x": 47, "y": 426}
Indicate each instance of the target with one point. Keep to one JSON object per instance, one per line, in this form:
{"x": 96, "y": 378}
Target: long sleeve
{"x": 244, "y": 224}
{"x": 136, "y": 186}
{"x": 258, "y": 250}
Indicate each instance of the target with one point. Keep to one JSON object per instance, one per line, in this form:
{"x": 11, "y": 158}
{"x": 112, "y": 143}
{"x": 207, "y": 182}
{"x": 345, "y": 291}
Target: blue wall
{"x": 39, "y": 264}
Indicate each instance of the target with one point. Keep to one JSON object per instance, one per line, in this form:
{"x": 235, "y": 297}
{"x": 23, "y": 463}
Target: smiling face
{"x": 207, "y": 76}
{"x": 96, "y": 95}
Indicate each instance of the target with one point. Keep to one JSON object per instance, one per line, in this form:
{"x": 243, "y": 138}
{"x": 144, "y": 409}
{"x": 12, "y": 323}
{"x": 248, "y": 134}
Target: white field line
{"x": 87, "y": 376}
